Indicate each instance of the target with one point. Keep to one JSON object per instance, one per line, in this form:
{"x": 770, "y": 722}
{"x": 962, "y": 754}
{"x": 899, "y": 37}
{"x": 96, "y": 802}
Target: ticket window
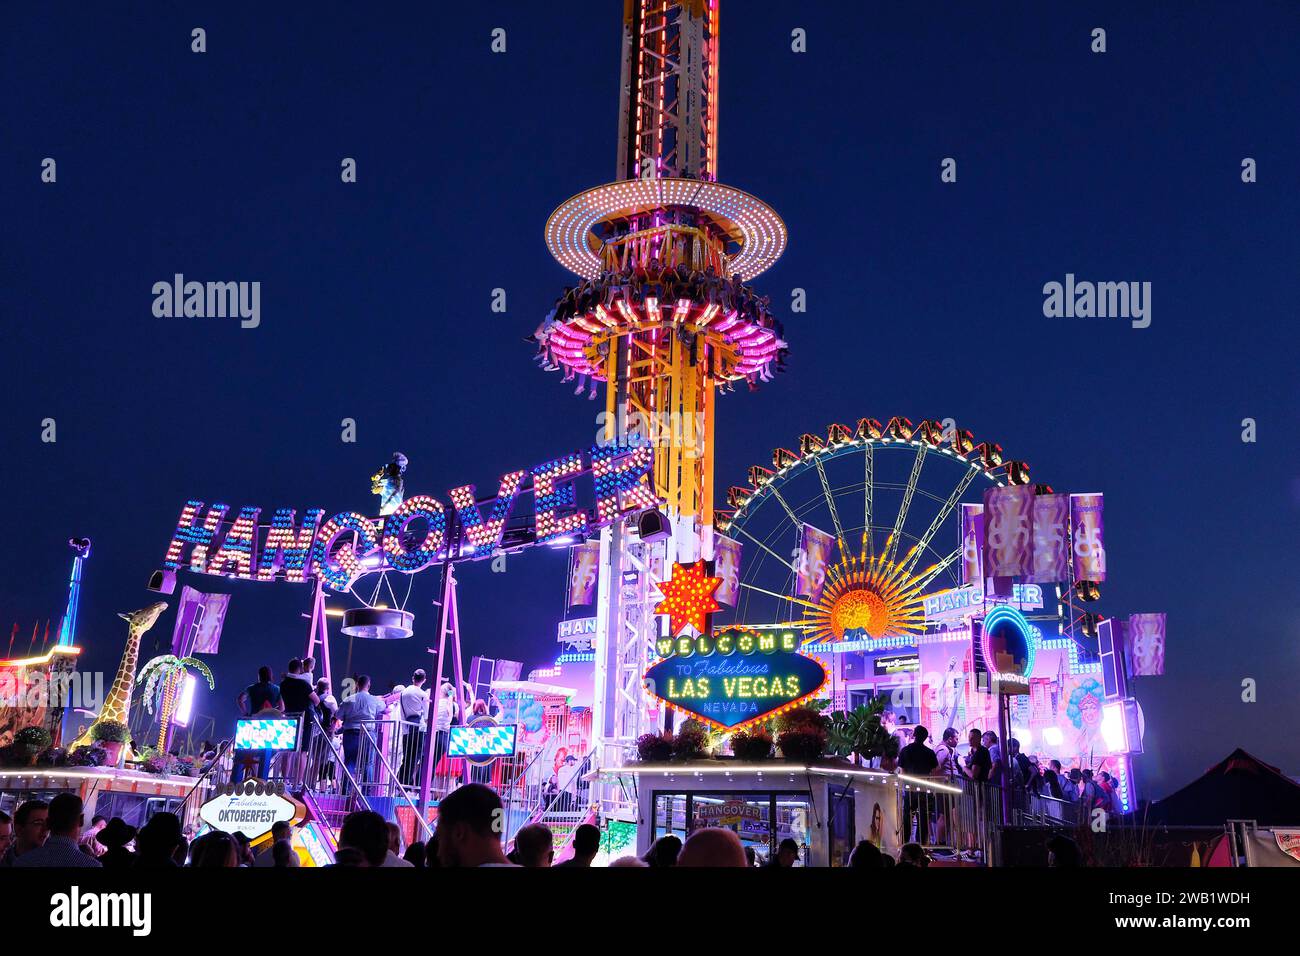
{"x": 670, "y": 815}
{"x": 761, "y": 820}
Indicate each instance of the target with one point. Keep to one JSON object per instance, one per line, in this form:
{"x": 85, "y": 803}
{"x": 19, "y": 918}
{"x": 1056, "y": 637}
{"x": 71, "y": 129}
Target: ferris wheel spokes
{"x": 901, "y": 517}
{"x": 830, "y": 504}
{"x": 868, "y": 545}
{"x": 932, "y": 572}
{"x": 786, "y": 561}
{"x": 874, "y": 591}
{"x": 940, "y": 517}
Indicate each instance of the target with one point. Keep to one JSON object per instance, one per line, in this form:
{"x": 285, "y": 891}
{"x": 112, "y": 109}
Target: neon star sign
{"x": 688, "y": 597}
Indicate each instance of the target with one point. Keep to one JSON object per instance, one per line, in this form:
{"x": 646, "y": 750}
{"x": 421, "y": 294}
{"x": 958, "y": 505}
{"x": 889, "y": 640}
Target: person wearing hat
{"x": 117, "y": 833}
{"x": 157, "y": 842}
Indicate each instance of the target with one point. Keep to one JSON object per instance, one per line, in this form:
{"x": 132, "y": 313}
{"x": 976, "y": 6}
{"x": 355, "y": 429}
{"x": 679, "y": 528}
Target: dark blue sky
{"x": 924, "y": 299}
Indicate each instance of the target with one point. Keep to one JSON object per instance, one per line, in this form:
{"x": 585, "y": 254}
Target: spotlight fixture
{"x": 164, "y": 582}
{"x": 652, "y": 525}
{"x": 378, "y": 623}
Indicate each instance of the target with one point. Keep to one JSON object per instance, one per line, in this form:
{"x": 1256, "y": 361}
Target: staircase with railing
{"x": 372, "y": 770}
{"x": 561, "y": 806}
{"x": 377, "y": 767}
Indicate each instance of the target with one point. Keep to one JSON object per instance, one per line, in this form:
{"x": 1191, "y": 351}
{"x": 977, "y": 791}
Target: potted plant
{"x": 112, "y": 736}
{"x": 752, "y": 744}
{"x": 802, "y": 733}
{"x": 92, "y": 756}
{"x": 156, "y": 763}
{"x": 29, "y": 742}
{"x": 691, "y": 741}
{"x": 654, "y": 748}
{"x": 52, "y": 757}
{"x": 859, "y": 733}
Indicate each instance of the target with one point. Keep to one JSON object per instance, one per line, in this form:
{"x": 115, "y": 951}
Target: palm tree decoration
{"x": 161, "y": 677}
{"x": 858, "y": 733}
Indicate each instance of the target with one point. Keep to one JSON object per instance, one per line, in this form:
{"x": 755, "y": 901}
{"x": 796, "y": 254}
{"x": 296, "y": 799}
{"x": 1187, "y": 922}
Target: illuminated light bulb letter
{"x": 338, "y": 568}
{"x": 195, "y": 533}
{"x": 239, "y": 548}
{"x": 484, "y": 537}
{"x": 287, "y": 547}
{"x": 425, "y": 553}
{"x": 551, "y": 497}
{"x": 621, "y": 475}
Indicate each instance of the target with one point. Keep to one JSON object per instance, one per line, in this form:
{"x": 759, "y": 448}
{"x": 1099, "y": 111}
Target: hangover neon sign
{"x": 299, "y": 545}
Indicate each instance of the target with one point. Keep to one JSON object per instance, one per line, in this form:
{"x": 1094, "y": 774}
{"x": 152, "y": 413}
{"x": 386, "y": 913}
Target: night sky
{"x": 924, "y": 298}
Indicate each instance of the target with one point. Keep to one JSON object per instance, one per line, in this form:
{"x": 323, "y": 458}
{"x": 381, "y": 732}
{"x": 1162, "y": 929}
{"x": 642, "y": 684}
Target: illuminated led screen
{"x": 486, "y": 741}
{"x": 266, "y": 733}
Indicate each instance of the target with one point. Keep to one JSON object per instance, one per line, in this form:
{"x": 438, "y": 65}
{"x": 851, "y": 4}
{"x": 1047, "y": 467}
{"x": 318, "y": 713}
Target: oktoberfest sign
{"x": 734, "y": 677}
{"x": 297, "y": 546}
{"x": 253, "y": 806}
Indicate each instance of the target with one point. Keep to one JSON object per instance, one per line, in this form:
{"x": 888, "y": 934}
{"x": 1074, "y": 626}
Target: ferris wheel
{"x": 886, "y": 500}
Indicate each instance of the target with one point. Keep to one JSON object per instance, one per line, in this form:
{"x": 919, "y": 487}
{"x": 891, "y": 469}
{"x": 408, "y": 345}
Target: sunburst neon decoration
{"x": 688, "y": 597}
{"x": 866, "y": 597}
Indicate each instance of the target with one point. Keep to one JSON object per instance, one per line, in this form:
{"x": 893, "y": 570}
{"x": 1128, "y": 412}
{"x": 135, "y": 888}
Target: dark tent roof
{"x": 1241, "y": 787}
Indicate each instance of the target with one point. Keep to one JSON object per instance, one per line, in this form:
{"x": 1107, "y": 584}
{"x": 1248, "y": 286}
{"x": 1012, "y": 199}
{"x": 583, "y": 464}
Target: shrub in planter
{"x": 158, "y": 763}
{"x": 52, "y": 757}
{"x": 654, "y": 748}
{"x": 859, "y": 733}
{"x": 110, "y": 731}
{"x": 691, "y": 741}
{"x": 93, "y": 756}
{"x": 185, "y": 767}
{"x": 802, "y": 733}
{"x": 32, "y": 740}
{"x": 755, "y": 744}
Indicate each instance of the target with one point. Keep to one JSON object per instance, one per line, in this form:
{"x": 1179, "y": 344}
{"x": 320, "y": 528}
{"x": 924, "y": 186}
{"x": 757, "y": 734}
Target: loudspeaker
{"x": 652, "y": 525}
{"x": 164, "y": 582}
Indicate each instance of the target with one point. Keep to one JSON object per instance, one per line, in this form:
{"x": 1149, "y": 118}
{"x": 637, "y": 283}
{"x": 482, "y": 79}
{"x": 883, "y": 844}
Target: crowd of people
{"x": 53, "y": 835}
{"x": 983, "y": 763}
{"x": 666, "y": 283}
{"x": 403, "y": 709}
{"x": 468, "y": 834}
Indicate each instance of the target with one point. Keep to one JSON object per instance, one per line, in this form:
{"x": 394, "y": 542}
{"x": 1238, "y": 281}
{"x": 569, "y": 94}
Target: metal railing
{"x": 377, "y": 765}
{"x": 523, "y": 797}
{"x": 958, "y": 826}
{"x": 394, "y": 783}
{"x": 569, "y": 796}
{"x": 218, "y": 764}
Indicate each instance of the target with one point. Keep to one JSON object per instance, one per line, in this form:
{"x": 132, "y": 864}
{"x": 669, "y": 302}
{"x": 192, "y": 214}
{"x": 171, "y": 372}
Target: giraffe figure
{"x": 117, "y": 705}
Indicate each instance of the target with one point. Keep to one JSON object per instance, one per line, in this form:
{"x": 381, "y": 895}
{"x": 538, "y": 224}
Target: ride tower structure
{"x": 68, "y": 627}
{"x": 664, "y": 318}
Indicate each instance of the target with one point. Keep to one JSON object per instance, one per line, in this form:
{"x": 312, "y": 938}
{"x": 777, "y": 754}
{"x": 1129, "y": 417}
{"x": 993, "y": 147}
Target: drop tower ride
{"x": 665, "y": 319}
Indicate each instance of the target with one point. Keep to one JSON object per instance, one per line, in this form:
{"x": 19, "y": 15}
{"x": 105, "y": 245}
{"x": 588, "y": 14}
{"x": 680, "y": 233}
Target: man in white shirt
{"x": 413, "y": 709}
{"x": 946, "y": 754}
{"x": 362, "y": 709}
